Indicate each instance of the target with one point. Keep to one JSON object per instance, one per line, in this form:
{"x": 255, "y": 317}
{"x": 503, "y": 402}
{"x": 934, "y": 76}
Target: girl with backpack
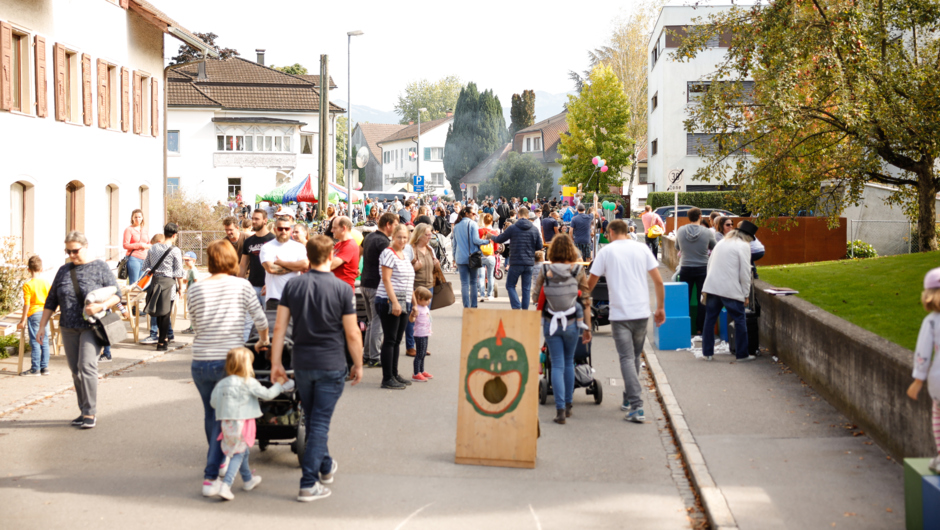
{"x": 564, "y": 286}
{"x": 487, "y": 281}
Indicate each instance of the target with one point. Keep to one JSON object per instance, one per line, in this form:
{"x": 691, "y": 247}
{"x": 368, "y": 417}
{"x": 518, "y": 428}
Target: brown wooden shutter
{"x": 6, "y": 64}
{"x": 125, "y": 100}
{"x": 103, "y": 93}
{"x": 59, "y": 57}
{"x": 86, "y": 88}
{"x": 154, "y": 108}
{"x": 41, "y": 83}
{"x": 124, "y": 4}
{"x": 137, "y": 103}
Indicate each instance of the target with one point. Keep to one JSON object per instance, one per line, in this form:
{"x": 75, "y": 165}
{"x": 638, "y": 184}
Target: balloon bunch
{"x": 607, "y": 205}
{"x": 600, "y": 163}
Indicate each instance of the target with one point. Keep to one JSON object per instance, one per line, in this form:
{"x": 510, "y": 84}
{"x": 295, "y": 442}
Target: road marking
{"x": 538, "y": 525}
{"x": 416, "y": 512}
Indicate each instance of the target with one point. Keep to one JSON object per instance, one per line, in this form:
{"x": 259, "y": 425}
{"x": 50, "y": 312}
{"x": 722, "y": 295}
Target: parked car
{"x": 683, "y": 211}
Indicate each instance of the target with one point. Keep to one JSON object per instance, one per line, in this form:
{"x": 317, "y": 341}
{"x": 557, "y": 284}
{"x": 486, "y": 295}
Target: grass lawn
{"x": 881, "y": 295}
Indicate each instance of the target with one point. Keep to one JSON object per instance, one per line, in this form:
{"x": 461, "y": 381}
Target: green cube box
{"x": 915, "y": 469}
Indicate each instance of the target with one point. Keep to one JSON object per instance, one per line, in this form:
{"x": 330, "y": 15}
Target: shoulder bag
{"x": 122, "y": 267}
{"x": 476, "y": 259}
{"x": 443, "y": 294}
{"x": 109, "y": 329}
{"x": 144, "y": 282}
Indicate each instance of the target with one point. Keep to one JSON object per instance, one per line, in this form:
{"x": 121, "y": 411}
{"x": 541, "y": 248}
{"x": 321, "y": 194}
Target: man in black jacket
{"x": 372, "y": 247}
{"x": 503, "y": 211}
{"x": 526, "y": 239}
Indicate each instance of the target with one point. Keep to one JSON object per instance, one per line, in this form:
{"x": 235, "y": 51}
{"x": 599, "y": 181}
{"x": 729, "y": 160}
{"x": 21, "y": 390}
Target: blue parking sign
{"x": 418, "y": 180}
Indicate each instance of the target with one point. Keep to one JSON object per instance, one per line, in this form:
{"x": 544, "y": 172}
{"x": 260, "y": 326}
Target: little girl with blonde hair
{"x": 926, "y": 364}
{"x": 235, "y": 400}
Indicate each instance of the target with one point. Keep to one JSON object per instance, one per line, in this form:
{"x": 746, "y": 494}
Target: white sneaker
{"x": 328, "y": 478}
{"x": 210, "y": 488}
{"x": 318, "y": 491}
{"x": 226, "y": 492}
{"x": 747, "y": 359}
{"x": 149, "y": 340}
{"x": 253, "y": 483}
{"x": 490, "y": 298}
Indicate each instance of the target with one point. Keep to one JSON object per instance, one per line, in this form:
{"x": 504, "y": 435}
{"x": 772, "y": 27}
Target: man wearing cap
{"x": 728, "y": 285}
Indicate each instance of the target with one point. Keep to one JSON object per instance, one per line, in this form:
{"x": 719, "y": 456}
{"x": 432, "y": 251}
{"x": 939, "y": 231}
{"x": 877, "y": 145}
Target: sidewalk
{"x": 781, "y": 455}
{"x": 16, "y": 391}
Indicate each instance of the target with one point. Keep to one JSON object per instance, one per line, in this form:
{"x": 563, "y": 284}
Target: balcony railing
{"x": 249, "y": 159}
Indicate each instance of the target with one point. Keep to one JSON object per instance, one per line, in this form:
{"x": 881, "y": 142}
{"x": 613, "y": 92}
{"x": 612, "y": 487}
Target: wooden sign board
{"x": 497, "y": 411}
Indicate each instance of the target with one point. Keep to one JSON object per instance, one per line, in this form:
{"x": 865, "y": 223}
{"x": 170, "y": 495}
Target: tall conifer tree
{"x": 479, "y": 128}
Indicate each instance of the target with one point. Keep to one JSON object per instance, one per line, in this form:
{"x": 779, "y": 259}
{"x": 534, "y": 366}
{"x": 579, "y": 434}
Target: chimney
{"x": 201, "y": 69}
{"x": 450, "y": 113}
{"x": 260, "y": 56}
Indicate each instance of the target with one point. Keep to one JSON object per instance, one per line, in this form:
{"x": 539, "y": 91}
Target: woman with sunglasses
{"x": 722, "y": 227}
{"x": 81, "y": 347}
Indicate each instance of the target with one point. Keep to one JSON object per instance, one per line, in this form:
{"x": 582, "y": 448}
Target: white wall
{"x": 48, "y": 154}
{"x": 403, "y": 166}
{"x": 668, "y": 80}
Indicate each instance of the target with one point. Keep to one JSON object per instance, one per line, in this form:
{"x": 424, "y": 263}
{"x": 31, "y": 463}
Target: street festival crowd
{"x": 272, "y": 269}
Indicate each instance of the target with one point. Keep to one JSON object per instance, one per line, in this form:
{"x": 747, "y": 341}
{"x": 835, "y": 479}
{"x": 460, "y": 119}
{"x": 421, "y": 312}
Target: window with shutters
{"x": 109, "y": 97}
{"x": 172, "y": 185}
{"x": 701, "y": 144}
{"x": 437, "y": 153}
{"x": 173, "y": 142}
{"x": 695, "y": 90}
{"x": 437, "y": 179}
{"x": 71, "y": 97}
{"x": 654, "y": 147}
{"x": 143, "y": 89}
{"x": 18, "y": 83}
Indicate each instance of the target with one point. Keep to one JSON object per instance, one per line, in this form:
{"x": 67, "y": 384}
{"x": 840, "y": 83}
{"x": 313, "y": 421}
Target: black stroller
{"x": 583, "y": 374}
{"x": 282, "y": 418}
{"x": 600, "y": 305}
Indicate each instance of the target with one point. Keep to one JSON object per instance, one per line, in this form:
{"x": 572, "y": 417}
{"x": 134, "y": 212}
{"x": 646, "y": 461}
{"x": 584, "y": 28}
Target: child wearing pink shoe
{"x": 235, "y": 400}
{"x": 421, "y": 316}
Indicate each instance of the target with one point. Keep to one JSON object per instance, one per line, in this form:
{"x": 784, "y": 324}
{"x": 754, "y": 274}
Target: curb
{"x": 713, "y": 500}
{"x": 40, "y": 396}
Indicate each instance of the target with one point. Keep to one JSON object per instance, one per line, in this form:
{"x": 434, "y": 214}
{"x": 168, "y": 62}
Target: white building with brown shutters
{"x": 400, "y": 157}
{"x": 237, "y": 126}
{"x": 81, "y": 97}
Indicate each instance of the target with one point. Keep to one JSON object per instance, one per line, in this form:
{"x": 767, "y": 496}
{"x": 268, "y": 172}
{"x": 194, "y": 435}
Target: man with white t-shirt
{"x": 282, "y": 259}
{"x": 625, "y": 263}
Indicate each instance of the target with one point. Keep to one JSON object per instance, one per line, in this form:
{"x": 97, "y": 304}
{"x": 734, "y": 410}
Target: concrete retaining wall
{"x": 863, "y": 375}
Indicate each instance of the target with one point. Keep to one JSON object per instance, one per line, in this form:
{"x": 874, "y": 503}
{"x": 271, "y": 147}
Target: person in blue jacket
{"x": 466, "y": 242}
{"x": 526, "y": 239}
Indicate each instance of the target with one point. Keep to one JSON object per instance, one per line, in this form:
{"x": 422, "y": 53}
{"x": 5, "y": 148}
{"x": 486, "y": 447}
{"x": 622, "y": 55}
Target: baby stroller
{"x": 282, "y": 418}
{"x": 583, "y": 374}
{"x": 441, "y": 253}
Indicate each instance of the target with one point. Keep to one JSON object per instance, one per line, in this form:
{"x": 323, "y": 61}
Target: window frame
{"x": 21, "y": 46}
{"x": 168, "y": 135}
{"x": 73, "y": 86}
{"x": 146, "y": 127}
{"x": 236, "y": 187}
{"x": 654, "y": 101}
{"x": 172, "y": 185}
{"x": 654, "y": 147}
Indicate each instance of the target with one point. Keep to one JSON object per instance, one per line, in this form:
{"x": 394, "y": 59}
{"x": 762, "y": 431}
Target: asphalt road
{"x": 142, "y": 466}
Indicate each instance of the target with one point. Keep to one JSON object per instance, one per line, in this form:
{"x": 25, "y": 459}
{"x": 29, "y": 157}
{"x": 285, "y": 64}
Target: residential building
{"x": 640, "y": 179}
{"x": 81, "y": 121}
{"x": 673, "y": 88}
{"x": 541, "y": 140}
{"x": 400, "y": 157}
{"x": 483, "y": 171}
{"x": 367, "y": 136}
{"x": 238, "y": 126}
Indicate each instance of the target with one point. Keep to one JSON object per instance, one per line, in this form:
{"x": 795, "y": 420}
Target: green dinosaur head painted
{"x": 497, "y": 372}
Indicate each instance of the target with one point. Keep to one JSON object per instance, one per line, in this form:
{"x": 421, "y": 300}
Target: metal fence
{"x": 198, "y": 242}
{"x": 889, "y": 238}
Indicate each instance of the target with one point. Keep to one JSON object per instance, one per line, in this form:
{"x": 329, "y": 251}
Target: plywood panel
{"x": 497, "y": 411}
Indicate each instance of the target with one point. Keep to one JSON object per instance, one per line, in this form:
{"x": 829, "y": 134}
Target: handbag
{"x": 442, "y": 296}
{"x": 144, "y": 282}
{"x": 122, "y": 267}
{"x": 654, "y": 232}
{"x": 109, "y": 329}
{"x": 476, "y": 259}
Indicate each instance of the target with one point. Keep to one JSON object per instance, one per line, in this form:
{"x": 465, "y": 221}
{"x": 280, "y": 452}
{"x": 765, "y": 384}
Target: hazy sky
{"x": 508, "y": 46}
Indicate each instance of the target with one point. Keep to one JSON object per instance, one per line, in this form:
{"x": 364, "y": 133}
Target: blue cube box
{"x": 675, "y": 333}
{"x": 677, "y": 299}
{"x": 931, "y": 501}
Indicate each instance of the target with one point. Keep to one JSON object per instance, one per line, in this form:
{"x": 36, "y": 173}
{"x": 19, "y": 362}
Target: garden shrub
{"x": 13, "y": 274}
{"x": 860, "y": 249}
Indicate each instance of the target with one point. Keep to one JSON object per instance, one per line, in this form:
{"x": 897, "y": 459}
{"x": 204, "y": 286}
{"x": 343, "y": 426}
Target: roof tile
{"x": 375, "y": 132}
{"x": 410, "y": 131}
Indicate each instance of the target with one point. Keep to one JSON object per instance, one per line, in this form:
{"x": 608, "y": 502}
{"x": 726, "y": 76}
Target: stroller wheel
{"x": 262, "y": 445}
{"x": 543, "y": 391}
{"x": 300, "y": 443}
{"x": 598, "y": 392}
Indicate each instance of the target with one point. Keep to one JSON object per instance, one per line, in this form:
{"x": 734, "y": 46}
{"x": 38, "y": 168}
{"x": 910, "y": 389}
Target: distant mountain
{"x": 546, "y": 105}
{"x": 362, "y": 113}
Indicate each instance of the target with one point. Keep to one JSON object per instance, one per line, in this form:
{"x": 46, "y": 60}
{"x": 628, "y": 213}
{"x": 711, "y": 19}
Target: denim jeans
{"x": 238, "y": 464}
{"x": 393, "y": 329}
{"x": 372, "y": 348}
{"x": 133, "y": 269}
{"x": 629, "y": 337}
{"x": 410, "y": 332}
{"x": 205, "y": 375}
{"x": 695, "y": 276}
{"x": 421, "y": 350}
{"x": 561, "y": 348}
{"x": 653, "y": 245}
{"x": 713, "y": 305}
{"x": 486, "y": 276}
{"x": 40, "y": 353}
{"x": 516, "y": 272}
{"x": 469, "y": 280}
{"x": 319, "y": 392}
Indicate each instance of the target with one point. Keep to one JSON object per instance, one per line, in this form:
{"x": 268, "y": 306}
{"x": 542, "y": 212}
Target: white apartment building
{"x": 238, "y": 127}
{"x": 81, "y": 121}
{"x": 400, "y": 153}
{"x": 673, "y": 88}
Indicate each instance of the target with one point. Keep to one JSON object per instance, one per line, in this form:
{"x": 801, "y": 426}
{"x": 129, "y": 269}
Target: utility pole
{"x": 324, "y": 136}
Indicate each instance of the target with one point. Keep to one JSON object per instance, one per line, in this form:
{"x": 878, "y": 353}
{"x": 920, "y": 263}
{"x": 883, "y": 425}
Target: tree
{"x": 844, "y": 93}
{"x": 187, "y": 53}
{"x": 438, "y": 98}
{"x": 294, "y": 69}
{"x": 598, "y": 125}
{"x": 522, "y": 112}
{"x": 518, "y": 176}
{"x": 478, "y": 129}
{"x": 626, "y": 53}
{"x": 341, "y": 137}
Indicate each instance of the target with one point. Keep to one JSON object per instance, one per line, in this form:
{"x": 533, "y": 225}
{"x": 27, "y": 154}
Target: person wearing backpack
{"x": 565, "y": 288}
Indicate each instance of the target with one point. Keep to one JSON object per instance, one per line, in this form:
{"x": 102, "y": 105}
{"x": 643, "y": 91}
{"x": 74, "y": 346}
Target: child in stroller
{"x": 583, "y": 374}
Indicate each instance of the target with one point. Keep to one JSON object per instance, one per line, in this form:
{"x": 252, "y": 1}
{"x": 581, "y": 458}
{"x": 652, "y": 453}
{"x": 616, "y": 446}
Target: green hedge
{"x": 726, "y": 200}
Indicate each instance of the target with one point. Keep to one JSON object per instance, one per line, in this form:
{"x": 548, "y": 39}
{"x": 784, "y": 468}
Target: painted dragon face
{"x": 497, "y": 372}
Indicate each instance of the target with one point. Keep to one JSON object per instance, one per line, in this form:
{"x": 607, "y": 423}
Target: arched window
{"x": 74, "y": 206}
{"x": 114, "y": 238}
{"x": 22, "y": 216}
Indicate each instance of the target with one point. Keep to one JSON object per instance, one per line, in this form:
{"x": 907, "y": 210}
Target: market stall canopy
{"x": 302, "y": 192}
{"x": 341, "y": 193}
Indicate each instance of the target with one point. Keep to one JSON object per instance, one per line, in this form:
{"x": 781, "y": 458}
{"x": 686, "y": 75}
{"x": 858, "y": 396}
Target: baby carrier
{"x": 561, "y": 293}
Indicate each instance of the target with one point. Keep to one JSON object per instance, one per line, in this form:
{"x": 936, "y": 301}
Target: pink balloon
{"x": 604, "y": 169}
{"x": 596, "y": 160}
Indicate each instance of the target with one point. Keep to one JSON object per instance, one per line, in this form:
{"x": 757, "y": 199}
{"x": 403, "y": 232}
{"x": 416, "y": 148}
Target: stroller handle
{"x": 268, "y": 372}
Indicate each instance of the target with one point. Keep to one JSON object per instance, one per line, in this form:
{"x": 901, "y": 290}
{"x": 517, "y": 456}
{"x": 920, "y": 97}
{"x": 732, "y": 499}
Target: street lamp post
{"x": 349, "y": 159}
{"x": 418, "y": 158}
